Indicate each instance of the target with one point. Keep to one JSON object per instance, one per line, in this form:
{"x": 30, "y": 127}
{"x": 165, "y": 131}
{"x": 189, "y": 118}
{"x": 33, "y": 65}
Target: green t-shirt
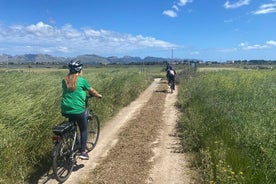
{"x": 74, "y": 102}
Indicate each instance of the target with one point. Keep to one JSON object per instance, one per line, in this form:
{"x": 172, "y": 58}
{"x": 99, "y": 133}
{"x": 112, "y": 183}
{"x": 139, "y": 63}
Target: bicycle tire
{"x": 63, "y": 162}
{"x": 93, "y": 129}
{"x": 171, "y": 87}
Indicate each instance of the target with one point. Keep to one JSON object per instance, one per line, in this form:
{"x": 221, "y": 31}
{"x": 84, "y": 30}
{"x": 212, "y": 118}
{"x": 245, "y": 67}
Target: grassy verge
{"x": 30, "y": 107}
{"x": 229, "y": 123}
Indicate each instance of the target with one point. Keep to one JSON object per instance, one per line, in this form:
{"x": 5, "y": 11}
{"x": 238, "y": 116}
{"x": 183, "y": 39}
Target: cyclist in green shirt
{"x": 74, "y": 89}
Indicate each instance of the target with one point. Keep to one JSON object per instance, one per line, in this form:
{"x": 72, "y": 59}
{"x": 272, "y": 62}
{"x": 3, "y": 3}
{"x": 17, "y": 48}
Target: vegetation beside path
{"x": 30, "y": 107}
{"x": 228, "y": 124}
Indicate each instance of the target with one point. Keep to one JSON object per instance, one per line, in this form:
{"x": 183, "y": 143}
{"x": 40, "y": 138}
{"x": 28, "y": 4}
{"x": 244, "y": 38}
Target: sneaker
{"x": 84, "y": 156}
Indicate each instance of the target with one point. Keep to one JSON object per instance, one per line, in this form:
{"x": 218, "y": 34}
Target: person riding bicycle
{"x": 74, "y": 88}
{"x": 170, "y": 75}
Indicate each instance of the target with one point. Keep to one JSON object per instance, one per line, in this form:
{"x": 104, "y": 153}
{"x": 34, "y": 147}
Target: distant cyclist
{"x": 171, "y": 76}
{"x": 74, "y": 88}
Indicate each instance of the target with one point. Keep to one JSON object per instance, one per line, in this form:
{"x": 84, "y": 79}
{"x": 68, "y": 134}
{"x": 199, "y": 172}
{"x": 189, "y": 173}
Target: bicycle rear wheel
{"x": 93, "y": 129}
{"x": 63, "y": 162}
{"x": 171, "y": 89}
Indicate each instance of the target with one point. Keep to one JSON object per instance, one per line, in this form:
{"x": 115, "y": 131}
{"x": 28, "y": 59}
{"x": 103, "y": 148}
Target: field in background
{"x": 30, "y": 107}
{"x": 228, "y": 124}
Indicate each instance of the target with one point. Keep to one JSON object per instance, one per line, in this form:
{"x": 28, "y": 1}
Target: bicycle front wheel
{"x": 93, "y": 129}
{"x": 63, "y": 162}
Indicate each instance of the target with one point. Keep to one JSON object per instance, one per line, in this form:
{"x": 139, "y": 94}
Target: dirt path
{"x": 137, "y": 146}
{"x": 170, "y": 164}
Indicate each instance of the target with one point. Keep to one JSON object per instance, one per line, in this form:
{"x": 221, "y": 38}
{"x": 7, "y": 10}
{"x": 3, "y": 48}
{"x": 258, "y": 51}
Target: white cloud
{"x": 44, "y": 38}
{"x": 268, "y": 44}
{"x": 175, "y": 8}
{"x": 184, "y": 2}
{"x": 271, "y": 42}
{"x": 170, "y": 13}
{"x": 229, "y": 5}
{"x": 40, "y": 29}
{"x": 266, "y": 8}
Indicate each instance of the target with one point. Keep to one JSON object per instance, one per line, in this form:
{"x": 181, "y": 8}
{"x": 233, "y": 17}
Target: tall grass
{"x": 229, "y": 121}
{"x": 30, "y": 107}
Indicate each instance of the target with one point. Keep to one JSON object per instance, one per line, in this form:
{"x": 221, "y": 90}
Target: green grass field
{"x": 228, "y": 119}
{"x": 229, "y": 123}
{"x": 30, "y": 107}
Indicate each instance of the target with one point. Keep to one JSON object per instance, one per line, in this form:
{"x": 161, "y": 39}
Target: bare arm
{"x": 95, "y": 93}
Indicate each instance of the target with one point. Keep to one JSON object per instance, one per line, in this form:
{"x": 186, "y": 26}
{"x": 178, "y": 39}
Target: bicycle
{"x": 67, "y": 144}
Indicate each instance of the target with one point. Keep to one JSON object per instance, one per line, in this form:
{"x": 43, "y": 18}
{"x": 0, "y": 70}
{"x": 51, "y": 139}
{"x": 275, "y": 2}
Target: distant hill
{"x": 125, "y": 59}
{"x": 87, "y": 59}
{"x": 31, "y": 58}
{"x": 92, "y": 59}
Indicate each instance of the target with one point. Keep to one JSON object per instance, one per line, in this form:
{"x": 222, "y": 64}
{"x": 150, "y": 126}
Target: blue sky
{"x": 195, "y": 29}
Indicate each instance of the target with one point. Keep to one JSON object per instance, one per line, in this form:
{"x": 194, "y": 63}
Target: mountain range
{"x": 87, "y": 59}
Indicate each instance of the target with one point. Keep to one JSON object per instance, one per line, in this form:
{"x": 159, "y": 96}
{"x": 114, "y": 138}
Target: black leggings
{"x": 81, "y": 120}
